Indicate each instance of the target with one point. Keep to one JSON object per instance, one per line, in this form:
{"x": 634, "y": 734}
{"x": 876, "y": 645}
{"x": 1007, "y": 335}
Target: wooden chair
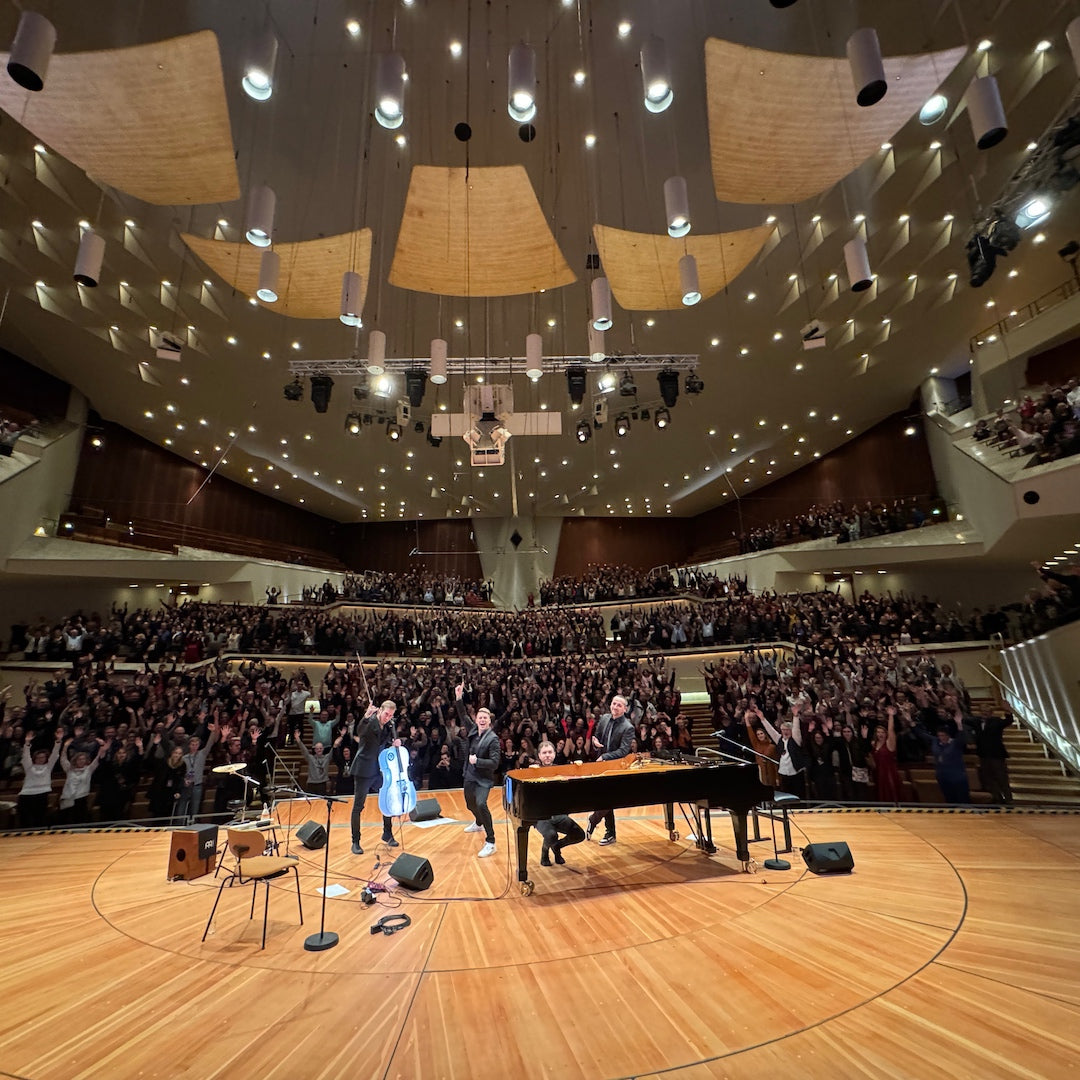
{"x": 253, "y": 867}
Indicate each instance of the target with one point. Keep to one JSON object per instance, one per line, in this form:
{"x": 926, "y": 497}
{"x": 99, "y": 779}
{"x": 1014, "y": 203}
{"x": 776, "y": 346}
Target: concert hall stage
{"x": 952, "y": 950}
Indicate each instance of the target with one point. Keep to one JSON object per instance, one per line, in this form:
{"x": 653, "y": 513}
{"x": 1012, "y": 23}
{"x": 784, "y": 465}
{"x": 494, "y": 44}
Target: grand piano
{"x": 531, "y": 795}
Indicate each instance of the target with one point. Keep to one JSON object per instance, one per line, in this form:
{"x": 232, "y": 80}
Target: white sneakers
{"x": 485, "y": 851}
{"x": 474, "y": 828}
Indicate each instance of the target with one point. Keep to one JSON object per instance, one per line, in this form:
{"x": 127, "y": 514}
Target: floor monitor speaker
{"x": 426, "y": 810}
{"x": 412, "y": 872}
{"x": 832, "y": 858}
{"x": 312, "y": 835}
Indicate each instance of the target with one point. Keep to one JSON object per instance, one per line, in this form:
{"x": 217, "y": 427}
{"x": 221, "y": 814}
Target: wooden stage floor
{"x": 953, "y": 950}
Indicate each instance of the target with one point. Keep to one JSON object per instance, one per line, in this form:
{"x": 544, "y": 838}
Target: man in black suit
{"x": 613, "y": 737}
{"x": 373, "y": 735}
{"x": 483, "y": 757}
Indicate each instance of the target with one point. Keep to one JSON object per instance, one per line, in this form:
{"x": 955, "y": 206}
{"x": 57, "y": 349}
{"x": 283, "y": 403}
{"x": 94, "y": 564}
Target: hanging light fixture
{"x": 858, "y": 265}
{"x": 986, "y": 112}
{"x": 269, "y": 272}
{"x": 31, "y": 50}
{"x": 390, "y": 90}
{"x": 88, "y": 261}
{"x": 867, "y": 67}
{"x": 1072, "y": 36}
{"x": 258, "y": 80}
{"x": 376, "y": 352}
{"x": 260, "y": 216}
{"x": 437, "y": 369}
{"x": 521, "y": 84}
{"x": 601, "y": 304}
{"x": 597, "y": 353}
{"x": 656, "y": 75}
{"x": 677, "y": 205}
{"x": 688, "y": 280}
{"x": 534, "y": 356}
{"x": 350, "y": 299}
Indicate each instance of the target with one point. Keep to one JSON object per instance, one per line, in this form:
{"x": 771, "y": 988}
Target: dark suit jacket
{"x": 616, "y": 735}
{"x": 371, "y": 738}
{"x": 485, "y": 747}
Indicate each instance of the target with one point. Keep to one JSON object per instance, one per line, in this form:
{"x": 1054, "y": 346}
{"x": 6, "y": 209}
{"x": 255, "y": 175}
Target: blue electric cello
{"x": 397, "y": 795}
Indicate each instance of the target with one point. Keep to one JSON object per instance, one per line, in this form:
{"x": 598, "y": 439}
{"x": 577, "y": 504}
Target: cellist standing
{"x": 373, "y": 734}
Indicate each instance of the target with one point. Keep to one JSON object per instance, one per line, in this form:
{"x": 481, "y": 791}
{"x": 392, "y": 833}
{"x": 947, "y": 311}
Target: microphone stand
{"x": 324, "y": 939}
{"x": 296, "y": 790}
{"x": 775, "y": 863}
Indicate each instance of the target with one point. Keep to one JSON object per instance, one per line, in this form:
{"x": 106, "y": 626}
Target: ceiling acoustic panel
{"x": 643, "y": 268}
{"x": 785, "y": 127}
{"x": 479, "y": 232}
{"x": 310, "y": 283}
{"x": 150, "y": 120}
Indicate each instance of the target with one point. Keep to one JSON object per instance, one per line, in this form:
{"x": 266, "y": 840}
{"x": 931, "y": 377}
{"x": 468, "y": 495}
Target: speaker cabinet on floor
{"x": 412, "y": 872}
{"x": 312, "y": 835}
{"x": 191, "y": 852}
{"x": 832, "y": 858}
{"x": 426, "y": 810}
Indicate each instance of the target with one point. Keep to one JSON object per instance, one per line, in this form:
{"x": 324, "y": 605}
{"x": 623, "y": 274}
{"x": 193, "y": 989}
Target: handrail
{"x": 1034, "y": 719}
{"x": 1022, "y": 316}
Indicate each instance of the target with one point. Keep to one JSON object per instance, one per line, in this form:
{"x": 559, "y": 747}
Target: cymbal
{"x": 234, "y": 767}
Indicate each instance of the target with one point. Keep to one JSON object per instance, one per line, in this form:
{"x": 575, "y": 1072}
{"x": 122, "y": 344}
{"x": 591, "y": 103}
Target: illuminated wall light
{"x": 656, "y": 75}
{"x": 269, "y": 273}
{"x": 390, "y": 78}
{"x": 258, "y": 80}
{"x": 867, "y": 67}
{"x": 260, "y": 216}
{"x": 31, "y": 51}
{"x": 521, "y": 83}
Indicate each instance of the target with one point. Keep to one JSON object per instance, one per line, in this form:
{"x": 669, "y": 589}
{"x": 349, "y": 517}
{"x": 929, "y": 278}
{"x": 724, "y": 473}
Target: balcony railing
{"x": 1019, "y": 316}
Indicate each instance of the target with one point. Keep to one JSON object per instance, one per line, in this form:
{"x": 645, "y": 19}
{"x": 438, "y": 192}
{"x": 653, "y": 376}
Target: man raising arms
{"x": 613, "y": 737}
{"x": 481, "y": 762}
{"x": 374, "y": 733}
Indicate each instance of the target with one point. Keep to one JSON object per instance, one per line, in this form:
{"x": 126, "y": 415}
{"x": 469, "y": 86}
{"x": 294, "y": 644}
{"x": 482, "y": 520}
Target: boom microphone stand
{"x": 775, "y": 863}
{"x": 324, "y": 939}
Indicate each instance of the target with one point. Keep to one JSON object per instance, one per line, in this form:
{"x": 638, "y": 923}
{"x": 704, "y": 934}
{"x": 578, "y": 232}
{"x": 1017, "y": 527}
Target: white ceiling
{"x": 334, "y": 169}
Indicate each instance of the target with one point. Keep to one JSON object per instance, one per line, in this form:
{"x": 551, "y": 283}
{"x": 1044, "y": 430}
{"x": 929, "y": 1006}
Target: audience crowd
{"x": 11, "y": 429}
{"x": 1046, "y": 426}
{"x": 602, "y": 581}
{"x": 412, "y": 587}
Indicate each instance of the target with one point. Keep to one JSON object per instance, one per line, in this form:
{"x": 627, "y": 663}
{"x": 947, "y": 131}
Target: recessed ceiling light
{"x": 590, "y": 140}
{"x": 751, "y": 296}
{"x": 625, "y": 28}
{"x": 459, "y": 323}
{"x": 1012, "y": 273}
{"x": 777, "y": 335}
{"x": 352, "y": 27}
{"x": 771, "y": 219}
{"x": 1032, "y": 146}
{"x": 222, "y": 223}
{"x": 858, "y": 219}
{"x": 886, "y": 146}
{"x": 231, "y": 340}
{"x": 1042, "y": 46}
{"x": 455, "y": 49}
{"x": 552, "y": 323}
{"x": 799, "y": 366}
{"x": 744, "y": 351}
{"x": 715, "y": 341}
{"x": 935, "y": 145}
{"x": 816, "y": 219}
{"x": 579, "y": 78}
{"x": 401, "y": 140}
{"x": 251, "y": 428}
{"x": 1038, "y": 238}
{"x": 983, "y": 45}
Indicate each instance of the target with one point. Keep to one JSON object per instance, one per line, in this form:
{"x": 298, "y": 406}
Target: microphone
{"x": 735, "y": 742}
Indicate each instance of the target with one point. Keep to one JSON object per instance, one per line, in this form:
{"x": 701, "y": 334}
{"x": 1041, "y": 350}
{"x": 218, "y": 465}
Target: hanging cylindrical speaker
{"x": 858, "y": 265}
{"x": 521, "y": 83}
{"x": 269, "y": 273}
{"x": 597, "y": 351}
{"x": 350, "y": 298}
{"x": 1072, "y": 36}
{"x": 867, "y": 68}
{"x": 677, "y": 206}
{"x": 260, "y": 216}
{"x": 376, "y": 352}
{"x": 688, "y": 280}
{"x": 31, "y": 50}
{"x": 656, "y": 75}
{"x": 437, "y": 369}
{"x": 987, "y": 114}
{"x": 258, "y": 80}
{"x": 534, "y": 356}
{"x": 601, "y": 303}
{"x": 390, "y": 90}
{"x": 88, "y": 261}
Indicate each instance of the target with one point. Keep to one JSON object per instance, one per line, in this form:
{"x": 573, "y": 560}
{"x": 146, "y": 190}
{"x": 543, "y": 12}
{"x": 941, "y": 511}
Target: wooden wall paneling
{"x": 1055, "y": 366}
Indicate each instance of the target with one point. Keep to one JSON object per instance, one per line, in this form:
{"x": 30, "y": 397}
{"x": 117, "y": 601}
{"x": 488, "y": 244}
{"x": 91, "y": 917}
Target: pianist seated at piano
{"x": 561, "y": 830}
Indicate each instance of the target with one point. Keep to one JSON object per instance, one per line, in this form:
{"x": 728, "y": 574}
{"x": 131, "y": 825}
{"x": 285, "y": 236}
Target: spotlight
{"x": 627, "y": 386}
{"x": 415, "y": 380}
{"x": 383, "y": 386}
{"x": 1033, "y": 213}
{"x": 575, "y": 384}
{"x": 390, "y": 90}
{"x": 669, "y": 386}
{"x": 294, "y": 391}
{"x": 360, "y": 392}
{"x": 982, "y": 258}
{"x": 622, "y": 425}
{"x": 662, "y": 418}
{"x": 584, "y": 431}
{"x": 607, "y": 382}
{"x": 693, "y": 384}
{"x": 1004, "y": 235}
{"x": 418, "y": 427}
{"x": 321, "y": 386}
{"x": 434, "y": 440}
{"x": 393, "y": 430}
{"x": 354, "y": 423}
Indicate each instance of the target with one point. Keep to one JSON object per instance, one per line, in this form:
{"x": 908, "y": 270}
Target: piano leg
{"x": 742, "y": 846}
{"x": 523, "y": 857}
{"x": 669, "y": 821}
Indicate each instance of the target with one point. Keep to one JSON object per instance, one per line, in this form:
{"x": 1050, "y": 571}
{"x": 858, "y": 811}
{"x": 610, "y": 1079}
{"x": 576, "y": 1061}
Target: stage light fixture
{"x": 354, "y": 423}
{"x": 434, "y": 440}
{"x": 393, "y": 430}
{"x": 693, "y": 383}
{"x": 1034, "y": 212}
{"x": 321, "y": 388}
{"x": 622, "y": 425}
{"x": 627, "y": 386}
{"x": 584, "y": 431}
{"x": 575, "y": 384}
{"x": 415, "y": 381}
{"x": 668, "y": 381}
{"x": 662, "y": 418}
{"x": 294, "y": 391}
